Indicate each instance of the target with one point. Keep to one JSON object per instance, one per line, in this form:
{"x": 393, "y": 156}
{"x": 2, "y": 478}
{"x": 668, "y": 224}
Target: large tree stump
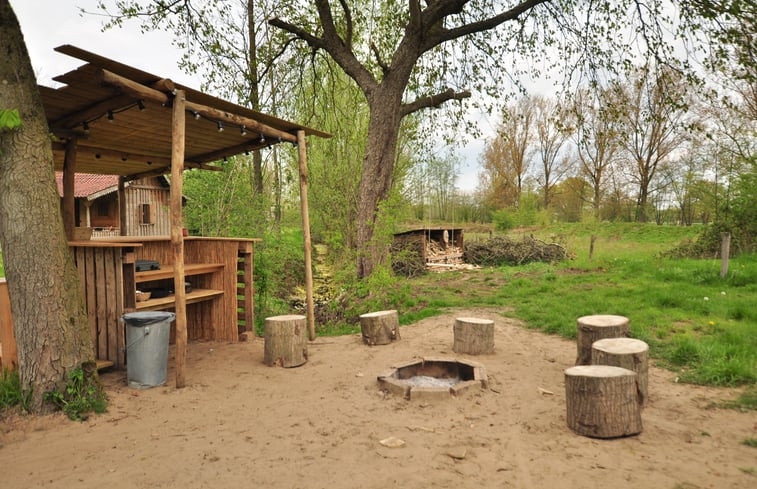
{"x": 473, "y": 336}
{"x": 592, "y": 328}
{"x": 602, "y": 401}
{"x": 286, "y": 341}
{"x": 380, "y": 328}
{"x": 627, "y": 353}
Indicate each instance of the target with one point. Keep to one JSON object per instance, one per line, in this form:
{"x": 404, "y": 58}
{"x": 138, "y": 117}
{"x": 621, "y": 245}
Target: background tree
{"x": 596, "y": 137}
{"x": 51, "y": 327}
{"x": 653, "y": 115}
{"x": 552, "y": 131}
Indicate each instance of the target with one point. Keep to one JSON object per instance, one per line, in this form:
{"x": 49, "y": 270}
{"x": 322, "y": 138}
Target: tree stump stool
{"x": 473, "y": 336}
{"x": 627, "y": 353}
{"x": 380, "y": 328}
{"x": 602, "y": 401}
{"x": 286, "y": 342}
{"x": 592, "y": 328}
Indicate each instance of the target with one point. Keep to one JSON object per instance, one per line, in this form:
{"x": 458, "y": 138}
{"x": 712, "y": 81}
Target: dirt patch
{"x": 241, "y": 424}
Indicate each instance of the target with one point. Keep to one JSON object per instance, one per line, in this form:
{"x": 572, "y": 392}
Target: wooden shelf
{"x": 197, "y": 295}
{"x": 167, "y": 272}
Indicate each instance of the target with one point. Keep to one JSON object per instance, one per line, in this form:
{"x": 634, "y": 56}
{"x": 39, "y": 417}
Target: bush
{"x": 503, "y": 220}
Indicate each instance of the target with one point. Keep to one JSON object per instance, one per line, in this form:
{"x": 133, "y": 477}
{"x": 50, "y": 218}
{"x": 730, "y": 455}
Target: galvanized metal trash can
{"x": 147, "y": 335}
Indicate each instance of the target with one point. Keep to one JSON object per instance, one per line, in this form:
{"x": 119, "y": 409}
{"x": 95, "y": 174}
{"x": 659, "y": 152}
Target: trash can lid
{"x": 145, "y": 318}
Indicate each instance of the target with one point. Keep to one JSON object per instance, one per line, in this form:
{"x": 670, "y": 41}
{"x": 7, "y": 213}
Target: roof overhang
{"x": 121, "y": 120}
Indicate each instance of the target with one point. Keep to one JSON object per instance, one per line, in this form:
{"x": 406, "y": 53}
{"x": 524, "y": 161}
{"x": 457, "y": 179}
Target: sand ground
{"x": 239, "y": 423}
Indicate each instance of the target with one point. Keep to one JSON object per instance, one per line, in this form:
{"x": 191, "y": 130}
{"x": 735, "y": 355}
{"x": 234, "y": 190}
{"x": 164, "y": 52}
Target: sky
{"x": 47, "y": 24}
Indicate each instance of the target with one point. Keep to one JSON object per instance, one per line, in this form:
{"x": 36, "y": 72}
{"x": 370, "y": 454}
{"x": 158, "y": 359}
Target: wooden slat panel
{"x": 249, "y": 290}
{"x": 111, "y": 302}
{"x": 100, "y": 304}
{"x": 7, "y": 336}
{"x": 90, "y": 291}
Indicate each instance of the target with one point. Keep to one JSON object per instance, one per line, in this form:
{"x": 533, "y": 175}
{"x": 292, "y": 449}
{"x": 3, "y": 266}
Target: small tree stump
{"x": 602, "y": 401}
{"x": 627, "y": 353}
{"x": 592, "y": 328}
{"x": 473, "y": 336}
{"x": 286, "y": 341}
{"x": 380, "y": 328}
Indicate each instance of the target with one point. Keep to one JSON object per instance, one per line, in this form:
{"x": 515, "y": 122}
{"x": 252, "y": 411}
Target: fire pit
{"x": 434, "y": 378}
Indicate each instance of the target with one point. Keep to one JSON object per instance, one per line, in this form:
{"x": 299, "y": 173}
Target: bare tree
{"x": 596, "y": 137}
{"x": 552, "y": 132}
{"x": 653, "y": 110}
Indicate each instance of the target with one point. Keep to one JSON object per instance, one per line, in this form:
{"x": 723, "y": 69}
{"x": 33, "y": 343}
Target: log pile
{"x": 501, "y": 250}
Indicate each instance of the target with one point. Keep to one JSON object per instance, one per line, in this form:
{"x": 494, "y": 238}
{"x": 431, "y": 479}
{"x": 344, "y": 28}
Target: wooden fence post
{"x": 725, "y": 251}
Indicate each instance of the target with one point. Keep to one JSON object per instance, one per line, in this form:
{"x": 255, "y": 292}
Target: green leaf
{"x": 9, "y": 120}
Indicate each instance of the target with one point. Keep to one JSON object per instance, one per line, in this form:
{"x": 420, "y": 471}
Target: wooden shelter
{"x": 110, "y": 118}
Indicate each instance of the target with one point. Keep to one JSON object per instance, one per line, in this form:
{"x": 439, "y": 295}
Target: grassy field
{"x": 695, "y": 322}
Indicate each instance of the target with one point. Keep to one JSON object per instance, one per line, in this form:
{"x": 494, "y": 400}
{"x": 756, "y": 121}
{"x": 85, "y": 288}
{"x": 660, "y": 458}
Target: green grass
{"x": 750, "y": 442}
{"x": 695, "y": 322}
{"x": 10, "y": 391}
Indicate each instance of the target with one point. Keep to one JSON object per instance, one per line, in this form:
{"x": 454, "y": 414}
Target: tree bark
{"x": 380, "y": 328}
{"x": 286, "y": 341}
{"x": 627, "y": 353}
{"x": 592, "y": 328}
{"x": 376, "y": 179}
{"x": 50, "y": 324}
{"x": 602, "y": 401}
{"x": 473, "y": 336}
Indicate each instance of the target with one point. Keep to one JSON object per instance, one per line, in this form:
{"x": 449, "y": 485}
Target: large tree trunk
{"x": 50, "y": 324}
{"x": 376, "y": 180}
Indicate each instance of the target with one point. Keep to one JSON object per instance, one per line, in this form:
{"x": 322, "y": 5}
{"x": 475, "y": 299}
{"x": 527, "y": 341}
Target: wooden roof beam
{"x": 234, "y": 150}
{"x": 139, "y": 91}
{"x": 72, "y": 120}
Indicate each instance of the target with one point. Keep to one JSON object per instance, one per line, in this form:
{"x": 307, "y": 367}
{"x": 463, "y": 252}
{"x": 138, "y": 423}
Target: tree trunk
{"x": 286, "y": 342}
{"x": 50, "y": 324}
{"x": 380, "y": 328}
{"x": 602, "y": 401}
{"x": 473, "y": 336}
{"x": 376, "y": 179}
{"x": 592, "y": 328}
{"x": 257, "y": 158}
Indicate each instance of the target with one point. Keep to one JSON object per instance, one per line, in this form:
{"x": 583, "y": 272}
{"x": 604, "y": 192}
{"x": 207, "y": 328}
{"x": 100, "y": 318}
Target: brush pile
{"x": 505, "y": 251}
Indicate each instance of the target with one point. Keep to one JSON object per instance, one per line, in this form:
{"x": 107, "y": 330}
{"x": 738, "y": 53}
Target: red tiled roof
{"x": 86, "y": 184}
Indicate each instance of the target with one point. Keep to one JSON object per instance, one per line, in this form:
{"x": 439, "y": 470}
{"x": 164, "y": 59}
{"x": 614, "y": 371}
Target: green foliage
{"x": 9, "y": 120}
{"x": 750, "y": 442}
{"x": 503, "y": 220}
{"x": 11, "y": 393}
{"x": 83, "y": 394}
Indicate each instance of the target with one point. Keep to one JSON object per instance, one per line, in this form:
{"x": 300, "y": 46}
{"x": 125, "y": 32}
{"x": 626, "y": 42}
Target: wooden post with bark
{"x": 380, "y": 328}
{"x": 602, "y": 401}
{"x": 725, "y": 252}
{"x": 473, "y": 336}
{"x": 627, "y": 353}
{"x": 286, "y": 341}
{"x": 178, "y": 132}
{"x": 592, "y": 328}
{"x": 302, "y": 156}
{"x": 69, "y": 191}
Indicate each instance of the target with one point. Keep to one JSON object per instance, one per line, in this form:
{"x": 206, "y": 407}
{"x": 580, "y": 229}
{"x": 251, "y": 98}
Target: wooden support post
{"x": 122, "y": 207}
{"x": 380, "y": 328}
{"x": 725, "y": 251}
{"x": 7, "y": 337}
{"x": 69, "y": 197}
{"x": 602, "y": 401}
{"x": 285, "y": 341}
{"x": 178, "y": 129}
{"x": 302, "y": 156}
{"x": 626, "y": 353}
{"x": 473, "y": 336}
{"x": 591, "y": 247}
{"x": 592, "y": 328}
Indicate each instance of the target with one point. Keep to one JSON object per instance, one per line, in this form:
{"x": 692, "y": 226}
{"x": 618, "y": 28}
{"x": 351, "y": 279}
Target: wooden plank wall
{"x": 9, "y": 357}
{"x": 101, "y": 274}
{"x": 245, "y": 288}
{"x": 147, "y": 191}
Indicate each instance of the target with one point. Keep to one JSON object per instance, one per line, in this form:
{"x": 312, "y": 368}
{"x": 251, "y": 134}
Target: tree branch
{"x": 381, "y": 62}
{"x": 444, "y": 35}
{"x": 433, "y": 101}
{"x": 348, "y": 19}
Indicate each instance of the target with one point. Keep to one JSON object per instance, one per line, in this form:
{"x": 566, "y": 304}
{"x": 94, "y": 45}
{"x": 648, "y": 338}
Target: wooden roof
{"x": 121, "y": 133}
